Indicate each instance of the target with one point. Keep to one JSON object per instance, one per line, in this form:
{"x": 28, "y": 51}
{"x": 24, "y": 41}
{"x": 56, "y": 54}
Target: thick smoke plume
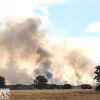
{"x": 25, "y": 53}
{"x": 22, "y": 42}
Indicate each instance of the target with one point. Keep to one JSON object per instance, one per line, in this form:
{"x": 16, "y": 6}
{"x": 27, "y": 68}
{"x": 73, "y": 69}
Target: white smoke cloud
{"x": 23, "y": 42}
{"x": 90, "y": 45}
{"x": 23, "y": 8}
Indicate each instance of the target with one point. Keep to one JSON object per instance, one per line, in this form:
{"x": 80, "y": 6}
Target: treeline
{"x": 40, "y": 82}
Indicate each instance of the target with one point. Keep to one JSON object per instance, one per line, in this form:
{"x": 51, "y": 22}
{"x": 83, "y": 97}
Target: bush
{"x": 66, "y": 86}
{"x": 97, "y": 88}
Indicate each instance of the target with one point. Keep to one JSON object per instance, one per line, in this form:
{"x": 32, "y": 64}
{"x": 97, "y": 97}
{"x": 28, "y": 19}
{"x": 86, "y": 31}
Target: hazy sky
{"x": 77, "y": 20}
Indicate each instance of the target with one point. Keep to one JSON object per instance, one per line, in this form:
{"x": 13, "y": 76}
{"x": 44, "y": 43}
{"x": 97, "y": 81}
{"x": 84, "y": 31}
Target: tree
{"x": 40, "y": 82}
{"x": 66, "y": 86}
{"x": 97, "y": 77}
{"x": 2, "y": 82}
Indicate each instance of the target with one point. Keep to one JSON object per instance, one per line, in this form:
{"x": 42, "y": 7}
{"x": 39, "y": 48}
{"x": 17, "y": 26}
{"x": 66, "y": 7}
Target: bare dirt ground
{"x": 71, "y": 94}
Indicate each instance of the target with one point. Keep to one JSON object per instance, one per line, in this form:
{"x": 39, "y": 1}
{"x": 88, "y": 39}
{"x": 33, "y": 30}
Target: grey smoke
{"x": 44, "y": 66}
{"x": 22, "y": 40}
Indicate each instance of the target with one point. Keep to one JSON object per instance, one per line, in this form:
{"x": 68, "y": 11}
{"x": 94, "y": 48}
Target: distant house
{"x": 86, "y": 86}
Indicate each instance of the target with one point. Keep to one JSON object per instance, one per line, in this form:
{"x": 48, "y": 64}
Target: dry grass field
{"x": 73, "y": 94}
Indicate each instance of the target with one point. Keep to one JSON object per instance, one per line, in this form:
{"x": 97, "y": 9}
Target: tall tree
{"x": 40, "y": 82}
{"x": 97, "y": 77}
{"x": 2, "y": 82}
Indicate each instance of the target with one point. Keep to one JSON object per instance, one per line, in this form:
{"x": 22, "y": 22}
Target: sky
{"x": 69, "y": 18}
{"x": 76, "y": 20}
